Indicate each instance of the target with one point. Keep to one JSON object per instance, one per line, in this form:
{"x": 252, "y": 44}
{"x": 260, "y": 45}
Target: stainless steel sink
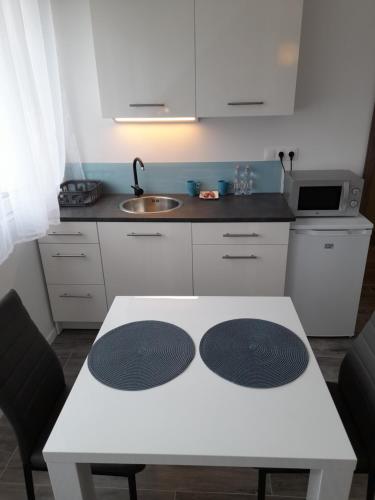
{"x": 150, "y": 205}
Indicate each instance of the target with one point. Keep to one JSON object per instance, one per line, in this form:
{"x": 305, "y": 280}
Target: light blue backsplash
{"x": 171, "y": 177}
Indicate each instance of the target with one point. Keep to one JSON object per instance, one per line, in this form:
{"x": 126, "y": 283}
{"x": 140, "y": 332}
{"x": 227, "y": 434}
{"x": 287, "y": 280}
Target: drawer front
{"x": 139, "y": 232}
{"x": 146, "y": 258}
{"x": 71, "y": 264}
{"x": 72, "y": 232}
{"x": 241, "y": 233}
{"x": 78, "y": 302}
{"x": 239, "y": 269}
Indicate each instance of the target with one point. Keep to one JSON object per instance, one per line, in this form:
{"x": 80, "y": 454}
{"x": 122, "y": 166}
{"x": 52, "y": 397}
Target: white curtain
{"x": 32, "y": 145}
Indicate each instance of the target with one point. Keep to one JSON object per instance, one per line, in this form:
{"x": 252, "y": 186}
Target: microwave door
{"x": 322, "y": 199}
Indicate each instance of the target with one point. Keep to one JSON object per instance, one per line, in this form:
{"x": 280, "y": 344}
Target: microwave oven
{"x": 323, "y": 193}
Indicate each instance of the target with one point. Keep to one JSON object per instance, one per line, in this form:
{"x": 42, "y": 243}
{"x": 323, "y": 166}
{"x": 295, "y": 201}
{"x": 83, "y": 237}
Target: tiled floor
{"x": 167, "y": 483}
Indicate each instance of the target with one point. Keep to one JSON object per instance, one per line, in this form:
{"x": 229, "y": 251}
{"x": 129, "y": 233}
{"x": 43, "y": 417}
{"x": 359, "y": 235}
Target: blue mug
{"x": 192, "y": 188}
{"x": 222, "y": 187}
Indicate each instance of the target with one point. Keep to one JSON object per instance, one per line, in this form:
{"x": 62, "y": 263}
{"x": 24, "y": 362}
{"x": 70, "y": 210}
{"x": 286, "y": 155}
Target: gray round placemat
{"x": 254, "y": 353}
{"x": 141, "y": 355}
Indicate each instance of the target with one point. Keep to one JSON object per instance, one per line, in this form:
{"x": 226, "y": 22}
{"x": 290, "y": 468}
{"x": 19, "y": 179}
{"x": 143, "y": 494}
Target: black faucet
{"x": 137, "y": 190}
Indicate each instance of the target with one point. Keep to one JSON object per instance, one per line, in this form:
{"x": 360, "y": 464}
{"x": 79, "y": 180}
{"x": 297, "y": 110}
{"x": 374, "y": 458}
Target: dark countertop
{"x": 264, "y": 207}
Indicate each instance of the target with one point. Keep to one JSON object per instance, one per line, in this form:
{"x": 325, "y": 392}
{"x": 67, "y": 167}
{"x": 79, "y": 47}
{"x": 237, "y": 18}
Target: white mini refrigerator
{"x": 326, "y": 264}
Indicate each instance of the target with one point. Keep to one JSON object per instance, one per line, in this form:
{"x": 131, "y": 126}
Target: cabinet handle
{"x": 234, "y": 257}
{"x": 146, "y": 105}
{"x": 71, "y": 296}
{"x": 69, "y": 255}
{"x": 239, "y": 235}
{"x": 144, "y": 234}
{"x": 245, "y": 103}
{"x": 55, "y": 233}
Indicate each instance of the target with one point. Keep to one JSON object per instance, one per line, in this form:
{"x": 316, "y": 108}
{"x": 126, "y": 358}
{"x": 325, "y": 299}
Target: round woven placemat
{"x": 141, "y": 355}
{"x": 254, "y": 353}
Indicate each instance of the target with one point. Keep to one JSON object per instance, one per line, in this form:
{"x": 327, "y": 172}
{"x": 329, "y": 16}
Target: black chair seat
{"x": 351, "y": 428}
{"x": 38, "y": 463}
{"x": 116, "y": 469}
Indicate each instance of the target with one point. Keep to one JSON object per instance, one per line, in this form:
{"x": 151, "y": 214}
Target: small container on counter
{"x": 192, "y": 188}
{"x": 243, "y": 180}
{"x": 222, "y": 187}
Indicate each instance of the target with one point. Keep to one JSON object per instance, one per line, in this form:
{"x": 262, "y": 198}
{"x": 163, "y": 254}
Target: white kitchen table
{"x": 199, "y": 418}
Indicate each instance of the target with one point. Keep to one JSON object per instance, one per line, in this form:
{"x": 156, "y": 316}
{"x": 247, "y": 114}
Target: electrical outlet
{"x": 271, "y": 154}
{"x": 286, "y": 153}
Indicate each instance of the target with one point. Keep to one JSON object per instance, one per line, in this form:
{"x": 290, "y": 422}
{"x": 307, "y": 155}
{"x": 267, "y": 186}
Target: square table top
{"x": 199, "y": 418}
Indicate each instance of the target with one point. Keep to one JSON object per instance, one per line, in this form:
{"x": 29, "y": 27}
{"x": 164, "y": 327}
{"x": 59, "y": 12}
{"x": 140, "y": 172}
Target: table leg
{"x": 71, "y": 481}
{"x": 333, "y": 482}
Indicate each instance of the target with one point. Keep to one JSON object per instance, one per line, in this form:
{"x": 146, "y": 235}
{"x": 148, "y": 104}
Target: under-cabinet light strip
{"x": 158, "y": 119}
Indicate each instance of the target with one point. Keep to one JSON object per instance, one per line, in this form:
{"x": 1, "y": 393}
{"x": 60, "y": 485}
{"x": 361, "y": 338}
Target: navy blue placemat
{"x": 254, "y": 353}
{"x": 141, "y": 355}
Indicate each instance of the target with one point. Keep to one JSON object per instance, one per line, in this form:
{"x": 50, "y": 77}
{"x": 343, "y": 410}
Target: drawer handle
{"x": 71, "y": 296}
{"x": 55, "y": 233}
{"x": 69, "y": 255}
{"x": 234, "y": 235}
{"x": 245, "y": 103}
{"x": 237, "y": 257}
{"x": 146, "y": 105}
{"x": 144, "y": 234}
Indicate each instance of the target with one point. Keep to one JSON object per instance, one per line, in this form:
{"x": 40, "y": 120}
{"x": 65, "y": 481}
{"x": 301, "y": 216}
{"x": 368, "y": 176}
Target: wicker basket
{"x": 79, "y": 193}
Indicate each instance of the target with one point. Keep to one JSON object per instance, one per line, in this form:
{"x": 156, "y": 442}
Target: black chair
{"x": 33, "y": 392}
{"x": 354, "y": 397}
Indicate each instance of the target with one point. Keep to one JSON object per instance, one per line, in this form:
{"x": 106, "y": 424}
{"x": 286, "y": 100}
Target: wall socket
{"x": 271, "y": 154}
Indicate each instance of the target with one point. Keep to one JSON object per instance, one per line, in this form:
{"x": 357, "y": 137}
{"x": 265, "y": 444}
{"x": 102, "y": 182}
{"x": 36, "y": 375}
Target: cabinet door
{"x": 239, "y": 269}
{"x": 145, "y": 57}
{"x": 247, "y": 55}
{"x": 146, "y": 258}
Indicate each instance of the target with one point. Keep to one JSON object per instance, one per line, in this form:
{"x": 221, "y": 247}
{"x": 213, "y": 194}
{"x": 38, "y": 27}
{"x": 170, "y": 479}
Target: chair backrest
{"x": 357, "y": 384}
{"x": 31, "y": 378}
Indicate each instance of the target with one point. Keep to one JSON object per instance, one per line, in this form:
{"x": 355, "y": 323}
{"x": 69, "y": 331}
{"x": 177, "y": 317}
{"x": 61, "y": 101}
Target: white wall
{"x": 335, "y": 96}
{"x": 23, "y": 272}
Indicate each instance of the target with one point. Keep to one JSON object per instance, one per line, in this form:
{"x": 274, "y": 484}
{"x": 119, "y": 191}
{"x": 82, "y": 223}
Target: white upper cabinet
{"x": 145, "y": 57}
{"x": 246, "y": 56}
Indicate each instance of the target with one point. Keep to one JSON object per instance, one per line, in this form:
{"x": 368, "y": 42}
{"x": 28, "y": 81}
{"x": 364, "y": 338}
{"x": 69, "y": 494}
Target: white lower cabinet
{"x": 240, "y": 258}
{"x": 240, "y": 233}
{"x": 146, "y": 258}
{"x": 85, "y": 303}
{"x": 65, "y": 263}
{"x": 239, "y": 269}
{"x": 71, "y": 232}
{"x": 87, "y": 264}
{"x": 73, "y": 272}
